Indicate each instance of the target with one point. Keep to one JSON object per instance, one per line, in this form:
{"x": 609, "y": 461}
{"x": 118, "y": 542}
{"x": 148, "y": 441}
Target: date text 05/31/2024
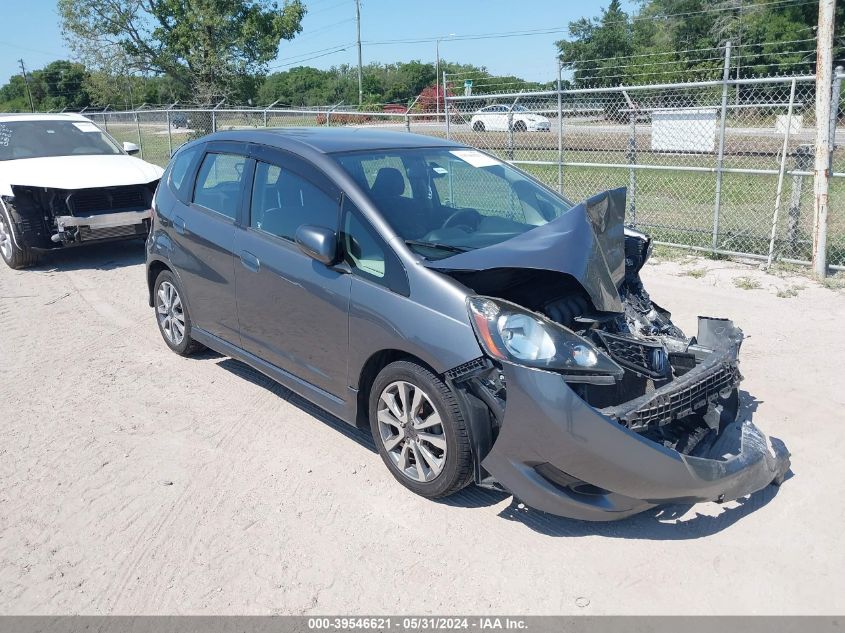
{"x": 432, "y": 623}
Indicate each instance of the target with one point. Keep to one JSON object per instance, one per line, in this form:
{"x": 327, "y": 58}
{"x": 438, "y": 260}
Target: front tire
{"x": 478, "y": 126}
{"x": 420, "y": 430}
{"x": 14, "y": 257}
{"x": 520, "y": 126}
{"x": 174, "y": 322}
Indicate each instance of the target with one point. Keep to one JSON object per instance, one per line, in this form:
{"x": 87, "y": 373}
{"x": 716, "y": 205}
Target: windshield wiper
{"x": 437, "y": 245}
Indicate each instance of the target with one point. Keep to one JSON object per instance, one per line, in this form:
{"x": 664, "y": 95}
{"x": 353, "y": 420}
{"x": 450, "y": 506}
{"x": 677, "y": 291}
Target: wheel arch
{"x": 476, "y": 414}
{"x": 154, "y": 269}
{"x": 370, "y": 369}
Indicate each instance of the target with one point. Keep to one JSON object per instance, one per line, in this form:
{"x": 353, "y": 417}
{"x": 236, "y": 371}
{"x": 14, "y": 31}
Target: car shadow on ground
{"x": 106, "y": 256}
{"x": 242, "y": 370}
{"x": 664, "y": 523}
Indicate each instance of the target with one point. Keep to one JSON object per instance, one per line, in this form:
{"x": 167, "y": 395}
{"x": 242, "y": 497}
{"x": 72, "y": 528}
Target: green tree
{"x": 209, "y": 45}
{"x": 596, "y": 47}
{"x": 63, "y": 84}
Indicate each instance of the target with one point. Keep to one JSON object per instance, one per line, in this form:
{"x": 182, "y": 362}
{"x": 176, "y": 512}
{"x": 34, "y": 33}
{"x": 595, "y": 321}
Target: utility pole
{"x": 360, "y": 69}
{"x": 437, "y": 77}
{"x": 26, "y": 83}
{"x": 437, "y": 73}
{"x": 821, "y": 180}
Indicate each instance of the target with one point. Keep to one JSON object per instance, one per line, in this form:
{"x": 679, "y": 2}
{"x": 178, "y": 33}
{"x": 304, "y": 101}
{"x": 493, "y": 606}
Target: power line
{"x": 547, "y": 31}
{"x": 306, "y": 59}
{"x": 324, "y": 28}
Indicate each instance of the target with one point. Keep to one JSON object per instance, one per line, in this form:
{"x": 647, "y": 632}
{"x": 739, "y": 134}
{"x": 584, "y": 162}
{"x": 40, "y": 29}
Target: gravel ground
{"x": 133, "y": 481}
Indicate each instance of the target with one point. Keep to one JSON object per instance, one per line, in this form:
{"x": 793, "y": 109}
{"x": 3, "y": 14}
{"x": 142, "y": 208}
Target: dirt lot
{"x": 134, "y": 481}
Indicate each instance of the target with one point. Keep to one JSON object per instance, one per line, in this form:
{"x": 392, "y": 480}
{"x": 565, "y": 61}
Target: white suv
{"x": 64, "y": 182}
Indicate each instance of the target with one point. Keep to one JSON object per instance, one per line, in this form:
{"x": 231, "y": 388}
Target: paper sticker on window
{"x": 475, "y": 158}
{"x": 86, "y": 126}
{"x": 439, "y": 170}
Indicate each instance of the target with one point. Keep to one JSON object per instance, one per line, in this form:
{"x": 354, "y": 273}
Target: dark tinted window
{"x": 282, "y": 201}
{"x": 219, "y": 183}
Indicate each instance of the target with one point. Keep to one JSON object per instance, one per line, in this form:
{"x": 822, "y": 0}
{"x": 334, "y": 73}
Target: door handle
{"x": 179, "y": 225}
{"x": 250, "y": 261}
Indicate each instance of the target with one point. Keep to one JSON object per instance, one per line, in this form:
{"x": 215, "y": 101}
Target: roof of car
{"x": 331, "y": 140}
{"x": 6, "y": 117}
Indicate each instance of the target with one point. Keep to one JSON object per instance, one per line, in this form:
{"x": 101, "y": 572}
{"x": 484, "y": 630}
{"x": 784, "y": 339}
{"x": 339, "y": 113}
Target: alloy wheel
{"x": 169, "y": 312}
{"x": 411, "y": 430}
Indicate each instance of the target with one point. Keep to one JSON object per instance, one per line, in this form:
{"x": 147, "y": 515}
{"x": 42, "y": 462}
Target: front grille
{"x": 644, "y": 357}
{"x": 669, "y": 404}
{"x": 85, "y": 202}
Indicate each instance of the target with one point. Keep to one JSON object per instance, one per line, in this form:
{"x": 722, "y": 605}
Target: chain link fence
{"x": 711, "y": 165}
{"x": 708, "y": 165}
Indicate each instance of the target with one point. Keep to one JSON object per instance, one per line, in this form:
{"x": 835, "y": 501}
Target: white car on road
{"x": 65, "y": 182}
{"x": 494, "y": 118}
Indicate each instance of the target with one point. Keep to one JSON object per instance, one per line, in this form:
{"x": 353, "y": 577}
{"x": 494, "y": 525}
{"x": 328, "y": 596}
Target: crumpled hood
{"x": 76, "y": 172}
{"x": 587, "y": 242}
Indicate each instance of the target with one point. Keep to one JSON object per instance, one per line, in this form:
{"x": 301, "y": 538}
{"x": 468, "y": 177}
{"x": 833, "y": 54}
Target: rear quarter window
{"x": 180, "y": 169}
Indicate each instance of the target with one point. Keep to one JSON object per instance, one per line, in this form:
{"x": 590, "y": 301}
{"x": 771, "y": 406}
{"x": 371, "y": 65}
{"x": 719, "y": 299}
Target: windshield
{"x": 442, "y": 201}
{"x": 37, "y": 139}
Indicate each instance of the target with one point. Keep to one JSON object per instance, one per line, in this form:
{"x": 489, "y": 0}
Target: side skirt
{"x": 343, "y": 409}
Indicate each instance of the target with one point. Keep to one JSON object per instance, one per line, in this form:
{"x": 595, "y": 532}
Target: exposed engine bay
{"x": 676, "y": 390}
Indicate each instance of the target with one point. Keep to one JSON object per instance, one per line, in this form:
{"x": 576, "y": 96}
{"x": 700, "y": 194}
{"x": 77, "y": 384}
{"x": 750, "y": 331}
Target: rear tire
{"x": 478, "y": 126}
{"x": 16, "y": 258}
{"x": 520, "y": 126}
{"x": 174, "y": 322}
{"x": 420, "y": 430}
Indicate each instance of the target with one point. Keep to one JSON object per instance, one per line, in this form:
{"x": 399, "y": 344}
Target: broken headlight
{"x": 510, "y": 333}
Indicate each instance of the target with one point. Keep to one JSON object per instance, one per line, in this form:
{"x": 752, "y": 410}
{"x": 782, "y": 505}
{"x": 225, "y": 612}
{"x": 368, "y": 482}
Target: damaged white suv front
{"x": 66, "y": 182}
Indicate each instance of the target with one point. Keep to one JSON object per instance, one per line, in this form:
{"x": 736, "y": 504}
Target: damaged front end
{"x": 44, "y": 218}
{"x": 600, "y": 406}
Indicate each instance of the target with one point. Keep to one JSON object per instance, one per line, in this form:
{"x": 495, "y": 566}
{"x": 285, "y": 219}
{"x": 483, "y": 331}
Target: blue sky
{"x": 31, "y": 30}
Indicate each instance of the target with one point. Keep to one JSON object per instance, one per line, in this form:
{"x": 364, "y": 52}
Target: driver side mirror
{"x": 131, "y": 148}
{"x": 317, "y": 242}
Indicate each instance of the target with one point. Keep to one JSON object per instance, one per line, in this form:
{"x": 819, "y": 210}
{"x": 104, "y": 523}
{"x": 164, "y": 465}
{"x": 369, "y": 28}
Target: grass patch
{"x": 834, "y": 282}
{"x": 789, "y": 292}
{"x": 695, "y": 273}
{"x": 747, "y": 283}
{"x": 669, "y": 253}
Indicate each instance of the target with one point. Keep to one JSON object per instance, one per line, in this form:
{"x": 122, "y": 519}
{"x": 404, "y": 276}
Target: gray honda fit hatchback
{"x": 485, "y": 328}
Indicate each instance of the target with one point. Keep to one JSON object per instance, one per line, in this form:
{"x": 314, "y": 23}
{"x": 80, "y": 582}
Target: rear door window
{"x": 219, "y": 182}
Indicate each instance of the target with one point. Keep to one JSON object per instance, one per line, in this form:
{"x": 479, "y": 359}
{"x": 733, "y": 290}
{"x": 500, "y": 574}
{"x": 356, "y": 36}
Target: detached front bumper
{"x": 547, "y": 428}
